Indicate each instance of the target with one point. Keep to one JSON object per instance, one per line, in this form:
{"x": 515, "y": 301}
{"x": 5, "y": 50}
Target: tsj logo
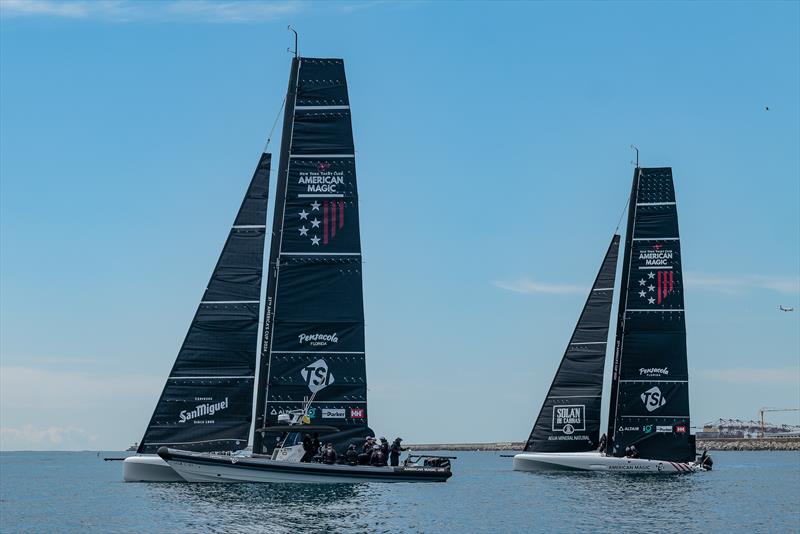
{"x": 653, "y": 399}
{"x": 317, "y": 375}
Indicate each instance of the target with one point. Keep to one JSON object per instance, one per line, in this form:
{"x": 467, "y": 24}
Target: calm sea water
{"x": 78, "y": 492}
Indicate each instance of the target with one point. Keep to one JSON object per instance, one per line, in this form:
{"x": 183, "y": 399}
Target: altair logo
{"x": 203, "y": 409}
{"x": 653, "y": 399}
{"x": 317, "y": 375}
{"x": 315, "y": 340}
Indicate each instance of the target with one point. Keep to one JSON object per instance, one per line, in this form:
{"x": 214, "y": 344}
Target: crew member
{"x": 377, "y": 459}
{"x": 351, "y": 455}
{"x": 384, "y": 447}
{"x": 329, "y": 454}
{"x": 308, "y": 448}
{"x": 602, "y": 445}
{"x": 366, "y": 451}
{"x": 395, "y": 450}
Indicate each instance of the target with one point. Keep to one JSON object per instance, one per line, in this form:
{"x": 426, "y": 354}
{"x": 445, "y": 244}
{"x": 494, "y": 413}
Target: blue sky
{"x": 493, "y": 154}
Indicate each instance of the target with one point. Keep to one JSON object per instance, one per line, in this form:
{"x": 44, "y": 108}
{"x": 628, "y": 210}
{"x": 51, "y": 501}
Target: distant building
{"x": 736, "y": 428}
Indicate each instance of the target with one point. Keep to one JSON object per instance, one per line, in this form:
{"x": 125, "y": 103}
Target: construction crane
{"x": 762, "y": 410}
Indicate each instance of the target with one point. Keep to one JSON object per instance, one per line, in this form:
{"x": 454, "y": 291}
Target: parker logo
{"x": 316, "y": 340}
{"x": 333, "y": 413}
{"x": 653, "y": 399}
{"x": 317, "y": 375}
{"x": 664, "y": 429}
{"x": 356, "y": 413}
{"x": 203, "y": 409}
{"x": 654, "y": 371}
{"x": 680, "y": 429}
{"x": 568, "y": 419}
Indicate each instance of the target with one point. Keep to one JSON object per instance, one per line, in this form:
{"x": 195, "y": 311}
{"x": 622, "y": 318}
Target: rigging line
{"x": 275, "y": 124}
{"x": 621, "y": 215}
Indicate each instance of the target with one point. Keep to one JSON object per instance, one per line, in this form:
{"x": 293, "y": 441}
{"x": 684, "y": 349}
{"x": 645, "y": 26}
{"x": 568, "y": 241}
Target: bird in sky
{"x": 787, "y": 309}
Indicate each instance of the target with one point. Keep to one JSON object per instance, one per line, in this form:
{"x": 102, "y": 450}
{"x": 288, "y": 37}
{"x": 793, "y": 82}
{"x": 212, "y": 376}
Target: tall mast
{"x": 273, "y": 266}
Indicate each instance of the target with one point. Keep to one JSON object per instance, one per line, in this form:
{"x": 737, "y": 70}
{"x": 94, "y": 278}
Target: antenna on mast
{"x": 295, "y": 51}
{"x": 637, "y": 155}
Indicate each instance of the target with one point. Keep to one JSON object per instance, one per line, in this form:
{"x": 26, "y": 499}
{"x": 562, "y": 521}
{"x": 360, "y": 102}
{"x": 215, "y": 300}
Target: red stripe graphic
{"x": 325, "y": 224}
{"x": 658, "y": 290}
{"x": 333, "y": 219}
{"x": 671, "y": 280}
{"x": 341, "y": 214}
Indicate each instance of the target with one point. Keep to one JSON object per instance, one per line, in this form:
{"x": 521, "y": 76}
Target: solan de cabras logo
{"x": 568, "y": 419}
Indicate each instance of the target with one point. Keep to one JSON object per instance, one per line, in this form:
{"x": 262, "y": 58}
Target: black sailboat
{"x": 648, "y": 429}
{"x": 206, "y": 403}
{"x": 312, "y": 373}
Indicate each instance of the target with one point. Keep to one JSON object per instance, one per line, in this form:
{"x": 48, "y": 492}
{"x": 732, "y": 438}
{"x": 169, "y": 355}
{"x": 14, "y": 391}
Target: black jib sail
{"x": 206, "y": 404}
{"x": 650, "y": 390}
{"x": 313, "y": 341}
{"x": 569, "y": 420}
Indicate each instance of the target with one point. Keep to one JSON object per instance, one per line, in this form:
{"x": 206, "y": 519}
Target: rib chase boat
{"x": 648, "y": 429}
{"x": 311, "y": 373}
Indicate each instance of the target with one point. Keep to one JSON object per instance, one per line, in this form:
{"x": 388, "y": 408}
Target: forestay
{"x": 313, "y": 341}
{"x": 206, "y": 403}
{"x": 569, "y": 420}
{"x": 649, "y": 395}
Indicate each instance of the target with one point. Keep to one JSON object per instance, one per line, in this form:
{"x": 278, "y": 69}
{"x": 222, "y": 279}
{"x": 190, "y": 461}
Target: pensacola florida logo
{"x": 568, "y": 419}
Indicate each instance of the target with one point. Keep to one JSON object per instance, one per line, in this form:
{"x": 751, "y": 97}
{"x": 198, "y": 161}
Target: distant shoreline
{"x": 720, "y": 444}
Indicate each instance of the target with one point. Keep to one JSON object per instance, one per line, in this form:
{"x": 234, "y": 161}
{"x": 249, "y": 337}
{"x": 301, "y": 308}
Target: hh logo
{"x": 356, "y": 413}
{"x": 568, "y": 419}
{"x": 317, "y": 375}
{"x": 680, "y": 429}
{"x": 653, "y": 399}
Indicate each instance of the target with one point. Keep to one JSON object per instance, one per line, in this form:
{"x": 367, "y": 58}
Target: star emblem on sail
{"x": 664, "y": 286}
{"x": 331, "y": 221}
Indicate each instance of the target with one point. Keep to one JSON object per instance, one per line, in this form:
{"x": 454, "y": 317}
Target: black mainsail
{"x": 649, "y": 389}
{"x": 569, "y": 420}
{"x": 206, "y": 404}
{"x": 313, "y": 340}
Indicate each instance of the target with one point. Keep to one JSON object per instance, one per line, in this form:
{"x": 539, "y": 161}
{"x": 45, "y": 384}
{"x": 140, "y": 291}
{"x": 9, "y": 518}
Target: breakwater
{"x": 720, "y": 444}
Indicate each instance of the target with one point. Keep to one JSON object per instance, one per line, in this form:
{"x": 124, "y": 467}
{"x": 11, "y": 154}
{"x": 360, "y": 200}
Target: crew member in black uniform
{"x": 329, "y": 454}
{"x": 394, "y": 452}
{"x": 351, "y": 455}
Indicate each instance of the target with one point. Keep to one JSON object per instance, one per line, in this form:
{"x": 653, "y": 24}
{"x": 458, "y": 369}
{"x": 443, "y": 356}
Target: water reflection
{"x": 275, "y": 507}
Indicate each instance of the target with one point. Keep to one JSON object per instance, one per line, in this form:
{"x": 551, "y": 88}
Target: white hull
{"x": 198, "y": 467}
{"x": 148, "y": 468}
{"x": 594, "y": 461}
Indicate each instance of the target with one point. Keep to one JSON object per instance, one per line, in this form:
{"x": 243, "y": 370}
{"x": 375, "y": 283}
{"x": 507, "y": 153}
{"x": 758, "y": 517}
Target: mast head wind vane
{"x": 632, "y": 146}
{"x": 296, "y": 51}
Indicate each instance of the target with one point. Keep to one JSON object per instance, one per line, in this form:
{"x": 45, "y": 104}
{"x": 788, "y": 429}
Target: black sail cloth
{"x": 569, "y": 420}
{"x": 313, "y": 341}
{"x": 206, "y": 404}
{"x": 649, "y": 395}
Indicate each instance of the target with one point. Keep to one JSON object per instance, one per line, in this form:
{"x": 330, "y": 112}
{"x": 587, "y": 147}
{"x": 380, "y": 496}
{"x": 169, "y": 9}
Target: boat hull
{"x": 148, "y": 468}
{"x": 204, "y": 467}
{"x": 594, "y": 461}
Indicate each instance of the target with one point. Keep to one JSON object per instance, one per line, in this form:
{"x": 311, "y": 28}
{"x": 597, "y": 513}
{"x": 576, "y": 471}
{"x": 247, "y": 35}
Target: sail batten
{"x": 650, "y": 377}
{"x": 569, "y": 420}
{"x": 313, "y": 350}
{"x": 206, "y": 403}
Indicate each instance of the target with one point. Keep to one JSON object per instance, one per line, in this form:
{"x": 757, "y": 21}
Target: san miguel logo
{"x": 317, "y": 375}
{"x": 318, "y": 340}
{"x": 203, "y": 409}
{"x": 653, "y": 399}
{"x": 568, "y": 419}
{"x": 323, "y": 219}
